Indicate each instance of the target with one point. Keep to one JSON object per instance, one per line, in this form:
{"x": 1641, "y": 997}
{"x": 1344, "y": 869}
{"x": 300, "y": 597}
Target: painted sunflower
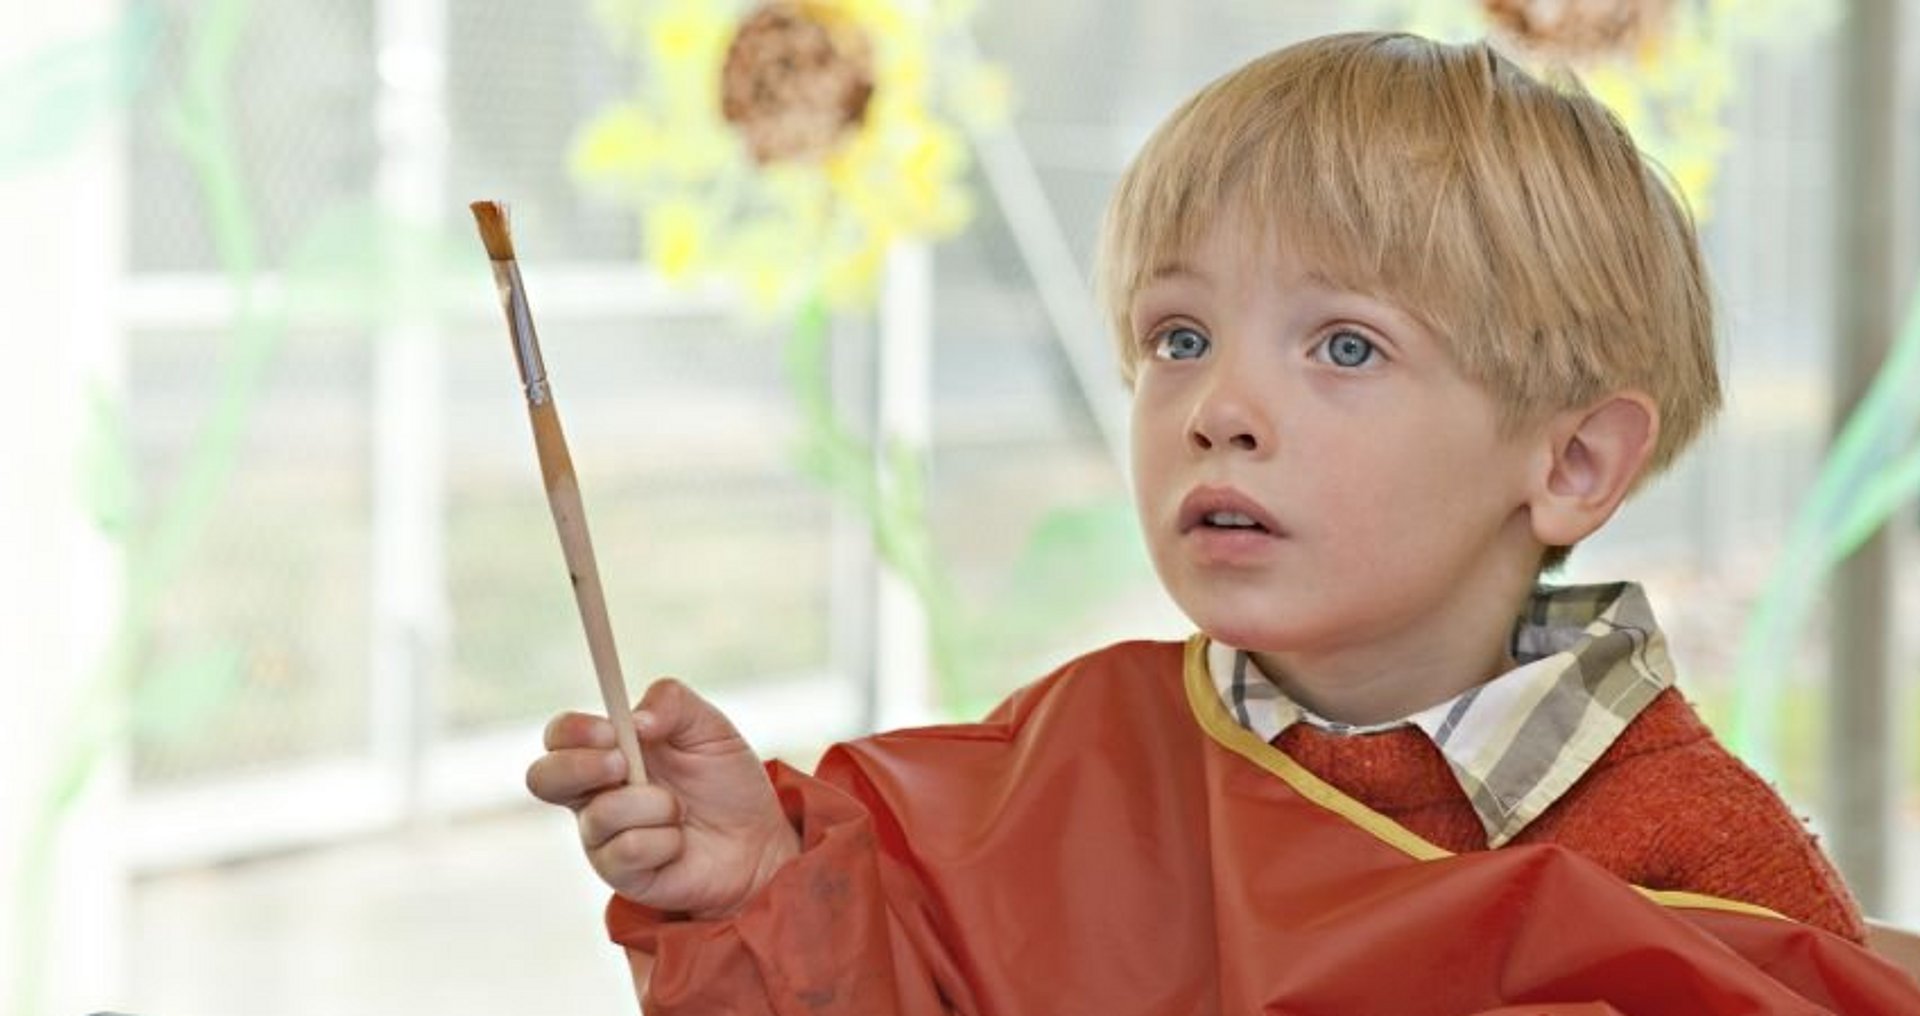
{"x": 785, "y": 146}
{"x": 1667, "y": 68}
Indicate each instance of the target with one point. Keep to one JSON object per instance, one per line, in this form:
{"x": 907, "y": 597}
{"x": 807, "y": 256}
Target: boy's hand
{"x": 701, "y": 837}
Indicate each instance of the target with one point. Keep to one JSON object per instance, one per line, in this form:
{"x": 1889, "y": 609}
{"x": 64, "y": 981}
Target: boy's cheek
{"x": 1157, "y": 406}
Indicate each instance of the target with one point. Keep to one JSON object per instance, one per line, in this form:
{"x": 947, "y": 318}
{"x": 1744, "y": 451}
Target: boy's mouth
{"x": 1230, "y": 520}
{"x": 1224, "y": 509}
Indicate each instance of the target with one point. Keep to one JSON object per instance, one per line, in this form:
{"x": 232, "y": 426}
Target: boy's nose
{"x": 1226, "y": 419}
{"x": 1244, "y": 440}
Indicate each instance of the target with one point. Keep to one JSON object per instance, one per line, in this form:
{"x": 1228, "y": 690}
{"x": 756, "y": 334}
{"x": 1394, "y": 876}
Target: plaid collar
{"x": 1590, "y": 658}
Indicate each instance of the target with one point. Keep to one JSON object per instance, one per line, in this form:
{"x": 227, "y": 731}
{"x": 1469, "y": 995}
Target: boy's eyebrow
{"x": 1171, "y": 269}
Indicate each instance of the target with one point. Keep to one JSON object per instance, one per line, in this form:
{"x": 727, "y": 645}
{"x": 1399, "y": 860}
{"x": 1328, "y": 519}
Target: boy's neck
{"x": 1464, "y": 644}
{"x": 1361, "y": 693}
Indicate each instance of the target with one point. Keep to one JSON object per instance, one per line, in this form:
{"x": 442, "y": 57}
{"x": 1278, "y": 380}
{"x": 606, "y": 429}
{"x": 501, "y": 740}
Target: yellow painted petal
{"x": 615, "y": 143}
{"x": 903, "y": 81}
{"x": 689, "y": 33}
{"x": 886, "y": 22}
{"x": 695, "y": 149}
{"x": 853, "y": 279}
{"x": 676, "y": 237}
{"x": 773, "y": 264}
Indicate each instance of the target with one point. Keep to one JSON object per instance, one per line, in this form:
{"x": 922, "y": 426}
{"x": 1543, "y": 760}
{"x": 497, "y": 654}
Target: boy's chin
{"x": 1259, "y": 637}
{"x": 1269, "y": 625}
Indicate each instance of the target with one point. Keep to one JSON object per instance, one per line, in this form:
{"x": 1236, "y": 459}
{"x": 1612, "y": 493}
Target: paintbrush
{"x": 563, "y": 489}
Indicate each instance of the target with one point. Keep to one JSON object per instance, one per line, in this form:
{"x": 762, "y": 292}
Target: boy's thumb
{"x": 673, "y": 713}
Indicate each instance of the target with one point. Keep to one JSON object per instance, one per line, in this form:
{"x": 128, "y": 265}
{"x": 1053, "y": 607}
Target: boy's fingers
{"x": 565, "y": 776}
{"x": 578, "y": 730}
{"x": 674, "y": 713}
{"x": 628, "y": 861}
{"x": 619, "y": 811}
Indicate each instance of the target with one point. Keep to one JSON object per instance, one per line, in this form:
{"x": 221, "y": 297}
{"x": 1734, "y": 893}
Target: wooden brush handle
{"x": 570, "y": 518}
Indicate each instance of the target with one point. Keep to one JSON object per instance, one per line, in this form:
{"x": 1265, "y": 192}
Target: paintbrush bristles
{"x": 492, "y": 219}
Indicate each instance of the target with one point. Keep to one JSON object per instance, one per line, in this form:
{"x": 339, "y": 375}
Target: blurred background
{"x": 281, "y": 608}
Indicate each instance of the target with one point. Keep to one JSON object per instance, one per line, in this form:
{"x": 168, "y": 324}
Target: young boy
{"x": 1402, "y": 325}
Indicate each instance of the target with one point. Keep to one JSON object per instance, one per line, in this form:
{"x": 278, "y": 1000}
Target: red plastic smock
{"x": 1111, "y": 842}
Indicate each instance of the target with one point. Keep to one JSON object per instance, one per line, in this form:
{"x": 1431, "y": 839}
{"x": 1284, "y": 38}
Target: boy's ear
{"x": 1597, "y": 452}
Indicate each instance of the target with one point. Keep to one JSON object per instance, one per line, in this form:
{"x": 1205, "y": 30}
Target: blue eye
{"x": 1181, "y": 343}
{"x": 1349, "y": 349}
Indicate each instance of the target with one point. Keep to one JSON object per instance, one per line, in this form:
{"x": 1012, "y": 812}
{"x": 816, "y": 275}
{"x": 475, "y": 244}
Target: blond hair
{"x": 1514, "y": 218}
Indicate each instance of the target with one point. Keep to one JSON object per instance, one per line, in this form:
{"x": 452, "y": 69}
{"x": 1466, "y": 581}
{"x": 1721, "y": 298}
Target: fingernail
{"x": 614, "y": 764}
{"x": 643, "y": 720}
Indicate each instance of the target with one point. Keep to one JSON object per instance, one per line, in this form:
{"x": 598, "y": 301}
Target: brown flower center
{"x": 795, "y": 82}
{"x": 1579, "y": 29}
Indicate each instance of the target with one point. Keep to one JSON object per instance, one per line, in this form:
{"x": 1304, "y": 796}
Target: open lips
{"x": 1225, "y": 508}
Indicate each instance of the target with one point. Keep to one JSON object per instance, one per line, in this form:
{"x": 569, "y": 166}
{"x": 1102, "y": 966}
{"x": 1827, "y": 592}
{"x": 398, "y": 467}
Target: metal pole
{"x": 1078, "y": 328}
{"x": 409, "y": 582}
{"x": 903, "y": 660}
{"x": 1860, "y": 736}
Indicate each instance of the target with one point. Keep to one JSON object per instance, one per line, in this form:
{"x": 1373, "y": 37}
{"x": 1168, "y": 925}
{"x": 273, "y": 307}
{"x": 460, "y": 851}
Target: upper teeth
{"x": 1230, "y": 519}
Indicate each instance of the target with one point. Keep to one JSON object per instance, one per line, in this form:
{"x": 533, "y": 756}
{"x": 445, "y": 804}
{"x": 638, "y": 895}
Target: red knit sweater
{"x": 1665, "y": 808}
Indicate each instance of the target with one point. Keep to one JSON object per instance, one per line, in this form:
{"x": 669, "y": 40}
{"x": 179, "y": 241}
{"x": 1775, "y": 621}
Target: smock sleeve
{"x": 841, "y": 929}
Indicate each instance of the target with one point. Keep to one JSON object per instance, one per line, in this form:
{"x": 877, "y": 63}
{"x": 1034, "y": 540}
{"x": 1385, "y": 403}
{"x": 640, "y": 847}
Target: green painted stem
{"x": 98, "y": 720}
{"x": 886, "y": 490}
{"x": 1854, "y": 495}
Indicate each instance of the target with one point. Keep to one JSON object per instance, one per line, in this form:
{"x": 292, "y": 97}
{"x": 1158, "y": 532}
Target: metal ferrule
{"x": 526, "y": 345}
